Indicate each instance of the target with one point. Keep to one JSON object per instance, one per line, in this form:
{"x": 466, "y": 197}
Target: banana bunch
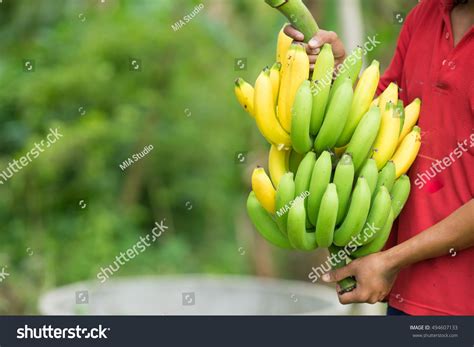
{"x": 338, "y": 156}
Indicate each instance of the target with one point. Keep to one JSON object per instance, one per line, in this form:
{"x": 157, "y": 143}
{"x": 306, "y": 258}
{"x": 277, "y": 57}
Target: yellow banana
{"x": 387, "y": 138}
{"x": 407, "y": 151}
{"x": 284, "y": 57}
{"x": 283, "y": 44}
{"x": 389, "y": 95}
{"x": 285, "y": 81}
{"x": 363, "y": 95}
{"x": 295, "y": 73}
{"x": 275, "y": 78}
{"x": 263, "y": 188}
{"x": 412, "y": 112}
{"x": 375, "y": 102}
{"x": 277, "y": 163}
{"x": 245, "y": 95}
{"x": 265, "y": 117}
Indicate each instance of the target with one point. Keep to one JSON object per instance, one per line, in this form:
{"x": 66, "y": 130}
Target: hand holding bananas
{"x": 316, "y": 43}
{"x": 337, "y": 157}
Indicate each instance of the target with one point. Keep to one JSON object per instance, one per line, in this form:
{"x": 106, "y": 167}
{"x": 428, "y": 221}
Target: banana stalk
{"x": 298, "y": 15}
{"x": 347, "y": 284}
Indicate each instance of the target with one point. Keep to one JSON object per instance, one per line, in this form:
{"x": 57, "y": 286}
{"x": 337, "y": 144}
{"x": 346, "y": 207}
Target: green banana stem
{"x": 298, "y": 15}
{"x": 347, "y": 284}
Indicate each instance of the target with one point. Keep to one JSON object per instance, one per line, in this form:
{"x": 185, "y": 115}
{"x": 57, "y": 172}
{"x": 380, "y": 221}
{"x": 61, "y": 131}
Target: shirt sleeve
{"x": 394, "y": 71}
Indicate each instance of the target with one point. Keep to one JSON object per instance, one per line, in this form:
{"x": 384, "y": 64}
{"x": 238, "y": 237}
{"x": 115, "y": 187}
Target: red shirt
{"x": 427, "y": 65}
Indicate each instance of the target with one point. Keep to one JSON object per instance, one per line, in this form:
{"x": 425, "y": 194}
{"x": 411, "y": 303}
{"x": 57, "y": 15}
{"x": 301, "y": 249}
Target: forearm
{"x": 454, "y": 232}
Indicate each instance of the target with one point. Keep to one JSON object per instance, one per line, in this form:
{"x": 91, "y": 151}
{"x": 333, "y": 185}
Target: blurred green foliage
{"x": 180, "y": 101}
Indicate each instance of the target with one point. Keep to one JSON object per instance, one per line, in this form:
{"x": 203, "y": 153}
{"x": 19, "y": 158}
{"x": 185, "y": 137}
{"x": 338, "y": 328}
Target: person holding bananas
{"x": 427, "y": 265}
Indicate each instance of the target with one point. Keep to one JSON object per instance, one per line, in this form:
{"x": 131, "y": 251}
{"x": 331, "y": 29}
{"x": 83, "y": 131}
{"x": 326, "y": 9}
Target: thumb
{"x": 322, "y": 37}
{"x": 339, "y": 274}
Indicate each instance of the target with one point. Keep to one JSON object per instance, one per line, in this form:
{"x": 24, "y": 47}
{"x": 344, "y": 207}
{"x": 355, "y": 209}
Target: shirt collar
{"x": 446, "y": 5}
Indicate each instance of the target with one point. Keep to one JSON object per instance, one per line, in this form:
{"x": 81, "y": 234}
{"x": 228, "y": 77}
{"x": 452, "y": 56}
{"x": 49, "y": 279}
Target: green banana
{"x": 379, "y": 241}
{"x": 303, "y": 178}
{"x": 400, "y": 192}
{"x": 364, "y": 136}
{"x": 301, "y": 118}
{"x": 284, "y": 196}
{"x": 363, "y": 96}
{"x": 370, "y": 172}
{"x": 264, "y": 223}
{"x": 386, "y": 178}
{"x": 327, "y": 216}
{"x": 343, "y": 179}
{"x": 350, "y": 67}
{"x": 303, "y": 175}
{"x": 340, "y": 256}
{"x": 336, "y": 116}
{"x": 356, "y": 215}
{"x": 294, "y": 161}
{"x": 319, "y": 91}
{"x": 320, "y": 179}
{"x": 377, "y": 216}
{"x": 322, "y": 77}
{"x": 296, "y": 227}
{"x": 354, "y": 64}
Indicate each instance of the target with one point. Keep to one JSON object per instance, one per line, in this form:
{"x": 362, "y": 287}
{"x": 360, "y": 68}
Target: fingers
{"x": 355, "y": 296}
{"x": 339, "y": 274}
{"x": 311, "y": 51}
{"x": 322, "y": 37}
{"x": 359, "y": 295}
{"x": 314, "y": 45}
{"x": 312, "y": 58}
{"x": 293, "y": 33}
